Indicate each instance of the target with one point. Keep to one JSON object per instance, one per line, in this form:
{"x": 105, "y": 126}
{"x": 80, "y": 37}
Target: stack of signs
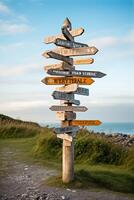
{"x": 64, "y": 73}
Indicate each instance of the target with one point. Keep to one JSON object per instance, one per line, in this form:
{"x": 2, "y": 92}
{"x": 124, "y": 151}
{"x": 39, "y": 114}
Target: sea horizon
{"x": 107, "y": 127}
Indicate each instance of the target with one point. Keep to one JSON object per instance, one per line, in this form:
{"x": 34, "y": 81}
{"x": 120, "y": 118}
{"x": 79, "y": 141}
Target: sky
{"x": 108, "y": 25}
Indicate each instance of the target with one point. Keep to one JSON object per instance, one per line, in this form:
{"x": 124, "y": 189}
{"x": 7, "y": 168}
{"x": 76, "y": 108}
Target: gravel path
{"x": 20, "y": 180}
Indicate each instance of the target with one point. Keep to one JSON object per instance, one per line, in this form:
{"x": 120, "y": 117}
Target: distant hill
{"x": 7, "y": 120}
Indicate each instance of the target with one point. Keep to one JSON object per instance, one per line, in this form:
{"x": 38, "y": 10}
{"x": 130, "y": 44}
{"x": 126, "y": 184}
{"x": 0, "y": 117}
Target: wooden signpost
{"x": 67, "y": 129}
{"x": 69, "y": 44}
{"x": 72, "y": 52}
{"x": 67, "y": 80}
{"x": 69, "y": 108}
{"x": 70, "y": 79}
{"x": 51, "y": 54}
{"x": 85, "y": 123}
{"x": 63, "y": 96}
{"x": 92, "y": 74}
{"x": 68, "y": 88}
{"x": 82, "y": 91}
{"x": 83, "y": 61}
{"x": 60, "y": 66}
{"x": 67, "y": 34}
{"x": 74, "y": 33}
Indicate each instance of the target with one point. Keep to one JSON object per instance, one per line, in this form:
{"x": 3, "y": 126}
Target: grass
{"x": 98, "y": 163}
{"x": 15, "y": 130}
{"x": 89, "y": 148}
{"x": 98, "y": 177}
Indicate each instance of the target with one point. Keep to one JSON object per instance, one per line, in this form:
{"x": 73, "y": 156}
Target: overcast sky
{"x": 109, "y": 25}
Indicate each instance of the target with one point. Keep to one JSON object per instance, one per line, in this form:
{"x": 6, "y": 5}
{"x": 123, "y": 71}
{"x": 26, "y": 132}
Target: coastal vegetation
{"x": 99, "y": 162}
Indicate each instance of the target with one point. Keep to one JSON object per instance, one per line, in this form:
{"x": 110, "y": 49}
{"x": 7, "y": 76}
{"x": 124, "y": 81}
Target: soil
{"x": 24, "y": 180}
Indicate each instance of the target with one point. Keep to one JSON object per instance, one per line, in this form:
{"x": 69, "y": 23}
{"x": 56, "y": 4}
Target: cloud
{"x": 104, "y": 41}
{"x": 14, "y": 23}
{"x": 110, "y": 41}
{"x": 4, "y": 8}
{"x": 7, "y": 28}
{"x": 130, "y": 37}
{"x": 15, "y": 70}
{"x": 11, "y": 47}
{"x": 21, "y": 105}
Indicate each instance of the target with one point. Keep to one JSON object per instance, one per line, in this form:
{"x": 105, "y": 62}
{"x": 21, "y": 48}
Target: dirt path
{"x": 22, "y": 180}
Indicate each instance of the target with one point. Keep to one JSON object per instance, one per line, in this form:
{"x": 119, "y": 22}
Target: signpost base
{"x": 67, "y": 161}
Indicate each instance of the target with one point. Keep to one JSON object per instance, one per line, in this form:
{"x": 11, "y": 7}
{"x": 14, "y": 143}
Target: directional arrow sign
{"x": 63, "y": 96}
{"x": 74, "y": 101}
{"x": 82, "y": 91}
{"x": 60, "y": 66}
{"x": 67, "y": 34}
{"x": 69, "y": 108}
{"x": 73, "y": 88}
{"x": 74, "y": 33}
{"x": 93, "y": 74}
{"x": 67, "y": 80}
{"x": 66, "y": 66}
{"x": 68, "y": 88}
{"x": 69, "y": 44}
{"x": 73, "y": 52}
{"x": 51, "y": 54}
{"x": 85, "y": 123}
{"x": 83, "y": 61}
{"x": 65, "y": 115}
{"x": 67, "y": 129}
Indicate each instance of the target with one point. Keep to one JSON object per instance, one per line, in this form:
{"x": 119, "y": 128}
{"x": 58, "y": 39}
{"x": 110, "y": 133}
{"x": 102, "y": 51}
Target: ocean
{"x": 108, "y": 128}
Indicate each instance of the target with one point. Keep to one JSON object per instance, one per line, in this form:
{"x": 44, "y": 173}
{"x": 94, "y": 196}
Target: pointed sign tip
{"x": 67, "y": 24}
{"x": 91, "y": 60}
{"x": 42, "y": 80}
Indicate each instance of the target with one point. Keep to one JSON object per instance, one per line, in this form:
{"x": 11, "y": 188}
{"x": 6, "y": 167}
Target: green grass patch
{"x": 13, "y": 130}
{"x": 99, "y": 177}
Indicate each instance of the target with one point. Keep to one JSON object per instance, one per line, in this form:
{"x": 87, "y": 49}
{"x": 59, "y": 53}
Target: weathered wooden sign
{"x": 67, "y": 129}
{"x": 69, "y": 44}
{"x": 82, "y": 91}
{"x": 65, "y": 136}
{"x": 74, "y": 33}
{"x": 67, "y": 88}
{"x": 69, "y": 108}
{"x": 67, "y": 34}
{"x": 57, "y": 56}
{"x": 83, "y": 61}
{"x": 63, "y": 96}
{"x": 73, "y": 88}
{"x": 61, "y": 115}
{"x": 85, "y": 123}
{"x": 60, "y": 66}
{"x": 92, "y": 74}
{"x": 67, "y": 80}
{"x": 73, "y": 52}
{"x": 74, "y": 101}
{"x": 66, "y": 66}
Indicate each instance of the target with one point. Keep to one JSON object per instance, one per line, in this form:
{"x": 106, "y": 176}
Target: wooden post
{"x": 67, "y": 158}
{"x": 71, "y": 79}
